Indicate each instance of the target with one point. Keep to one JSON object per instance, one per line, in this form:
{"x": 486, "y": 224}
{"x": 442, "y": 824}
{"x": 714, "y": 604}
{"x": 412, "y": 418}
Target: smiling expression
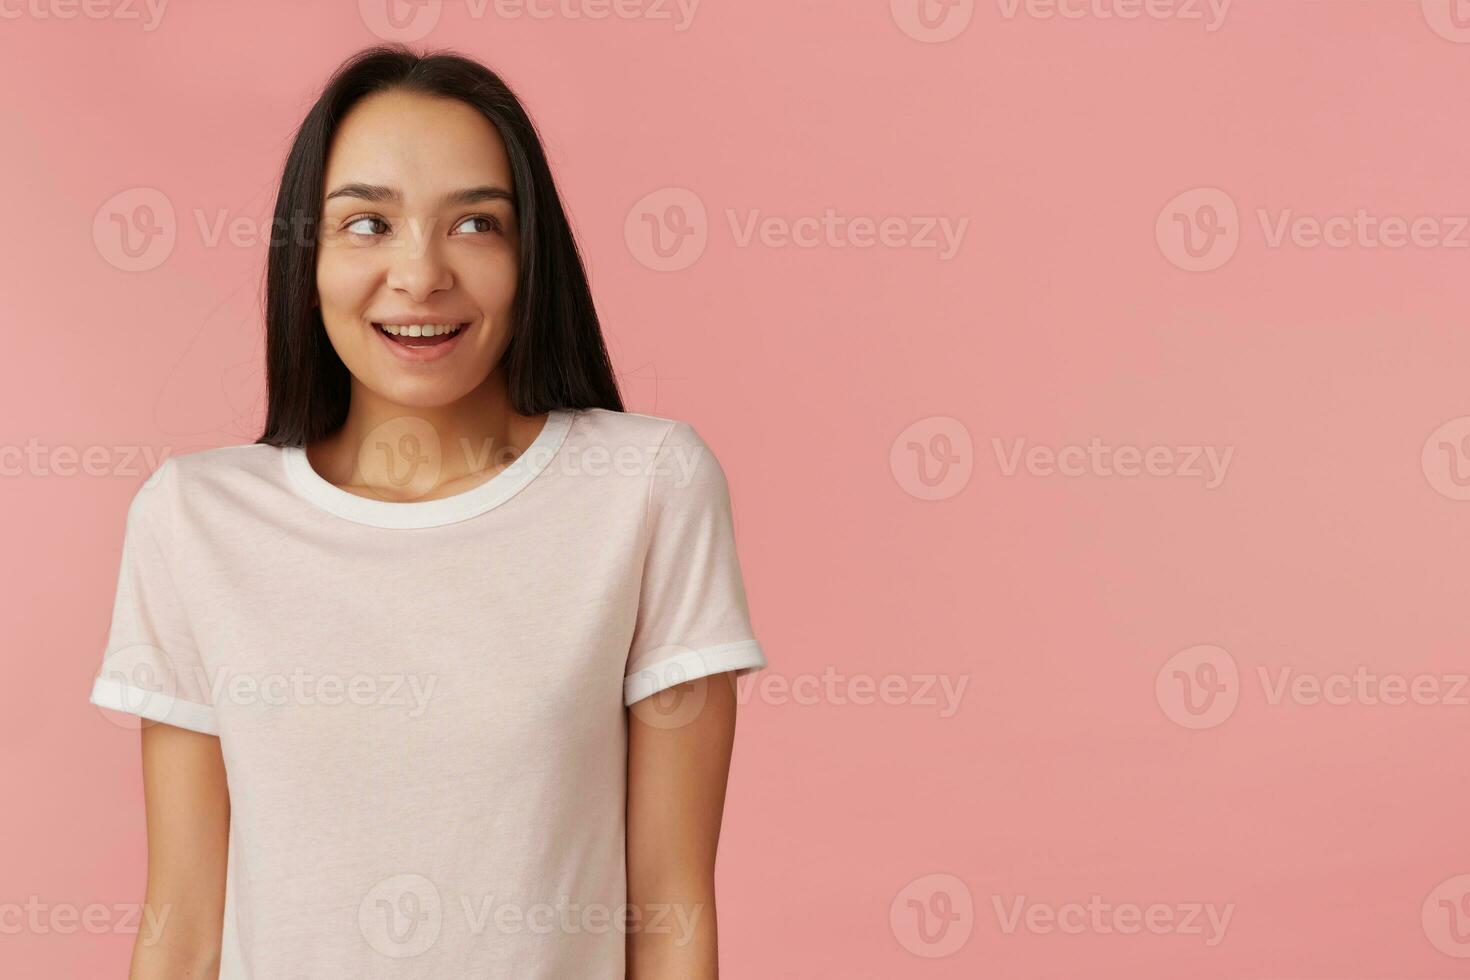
{"x": 417, "y": 261}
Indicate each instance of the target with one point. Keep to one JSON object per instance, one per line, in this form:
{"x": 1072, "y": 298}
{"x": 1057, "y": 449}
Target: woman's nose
{"x": 417, "y": 263}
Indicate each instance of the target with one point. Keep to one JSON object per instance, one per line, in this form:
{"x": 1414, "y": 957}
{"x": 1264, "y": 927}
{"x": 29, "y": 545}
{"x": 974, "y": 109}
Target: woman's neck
{"x": 392, "y": 451}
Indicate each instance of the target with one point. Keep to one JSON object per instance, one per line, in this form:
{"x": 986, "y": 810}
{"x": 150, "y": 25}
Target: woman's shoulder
{"x": 641, "y": 429}
{"x": 197, "y": 466}
{"x": 192, "y": 481}
{"x": 200, "y": 473}
{"x": 677, "y": 457}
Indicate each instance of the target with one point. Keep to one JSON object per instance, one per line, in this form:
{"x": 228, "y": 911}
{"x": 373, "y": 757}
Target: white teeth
{"x": 419, "y": 329}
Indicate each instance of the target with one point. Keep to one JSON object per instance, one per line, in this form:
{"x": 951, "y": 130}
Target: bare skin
{"x": 418, "y": 221}
{"x": 676, "y": 797}
{"x": 188, "y": 811}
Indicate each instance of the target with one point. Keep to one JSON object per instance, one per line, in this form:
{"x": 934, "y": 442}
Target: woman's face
{"x": 418, "y": 227}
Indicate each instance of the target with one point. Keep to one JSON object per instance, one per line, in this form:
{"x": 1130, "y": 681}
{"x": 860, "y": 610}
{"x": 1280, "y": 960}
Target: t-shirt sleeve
{"x": 693, "y": 620}
{"x": 151, "y": 666}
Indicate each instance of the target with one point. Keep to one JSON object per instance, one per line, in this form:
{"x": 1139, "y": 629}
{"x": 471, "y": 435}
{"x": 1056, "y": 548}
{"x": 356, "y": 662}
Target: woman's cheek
{"x": 347, "y": 274}
{"x": 495, "y": 283}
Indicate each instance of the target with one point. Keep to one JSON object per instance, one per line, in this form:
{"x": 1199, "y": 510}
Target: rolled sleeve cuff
{"x": 116, "y": 696}
{"x": 743, "y": 657}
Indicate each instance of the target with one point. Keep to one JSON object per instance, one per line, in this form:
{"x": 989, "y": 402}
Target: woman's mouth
{"x": 420, "y": 341}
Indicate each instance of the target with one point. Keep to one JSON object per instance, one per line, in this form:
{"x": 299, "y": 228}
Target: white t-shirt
{"x": 421, "y": 705}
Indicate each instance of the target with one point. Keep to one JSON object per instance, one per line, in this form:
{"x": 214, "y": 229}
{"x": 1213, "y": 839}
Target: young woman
{"x": 444, "y": 661}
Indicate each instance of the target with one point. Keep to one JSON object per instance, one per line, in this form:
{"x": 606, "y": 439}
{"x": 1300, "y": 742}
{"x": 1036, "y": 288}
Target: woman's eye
{"x": 486, "y": 223}
{"x": 355, "y": 224}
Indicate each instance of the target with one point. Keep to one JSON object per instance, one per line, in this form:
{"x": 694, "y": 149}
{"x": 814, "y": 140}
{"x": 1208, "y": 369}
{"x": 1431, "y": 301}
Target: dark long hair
{"x": 556, "y": 356}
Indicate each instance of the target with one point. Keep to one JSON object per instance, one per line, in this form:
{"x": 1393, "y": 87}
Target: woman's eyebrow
{"x": 378, "y": 194}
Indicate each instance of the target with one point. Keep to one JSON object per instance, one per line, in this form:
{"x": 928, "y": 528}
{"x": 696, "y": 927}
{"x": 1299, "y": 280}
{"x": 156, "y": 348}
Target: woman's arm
{"x": 679, "y": 744}
{"x": 188, "y": 810}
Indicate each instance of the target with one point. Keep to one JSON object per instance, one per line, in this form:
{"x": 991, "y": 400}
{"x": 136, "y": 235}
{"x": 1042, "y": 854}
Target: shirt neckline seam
{"x": 313, "y": 488}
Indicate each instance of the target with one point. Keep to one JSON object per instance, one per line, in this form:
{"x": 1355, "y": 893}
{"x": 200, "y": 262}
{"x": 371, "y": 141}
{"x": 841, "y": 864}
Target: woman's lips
{"x": 421, "y": 342}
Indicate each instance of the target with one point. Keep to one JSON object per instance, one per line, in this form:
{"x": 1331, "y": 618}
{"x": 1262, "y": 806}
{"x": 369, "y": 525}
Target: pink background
{"x": 837, "y": 383}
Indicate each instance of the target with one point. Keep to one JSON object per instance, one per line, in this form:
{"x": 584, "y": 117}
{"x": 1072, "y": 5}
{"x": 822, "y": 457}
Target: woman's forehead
{"x": 422, "y": 147}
